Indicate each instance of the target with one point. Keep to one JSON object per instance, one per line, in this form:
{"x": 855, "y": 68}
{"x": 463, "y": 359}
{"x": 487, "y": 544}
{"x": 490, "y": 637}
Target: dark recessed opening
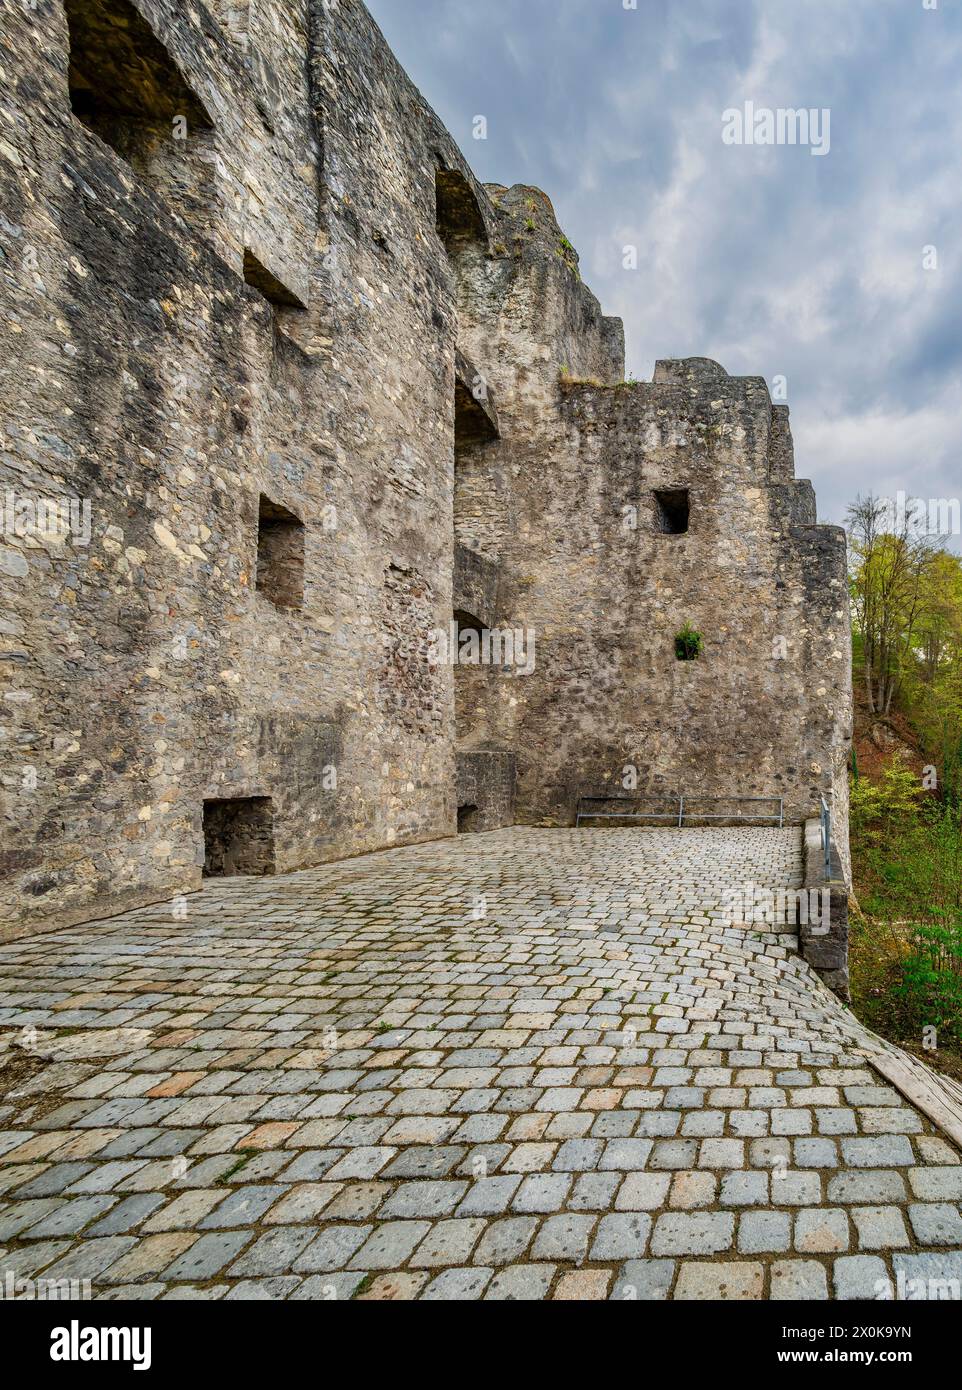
{"x": 126, "y": 88}
{"x": 472, "y": 423}
{"x": 239, "y": 837}
{"x": 671, "y": 511}
{"x": 264, "y": 280}
{"x": 458, "y": 215}
{"x": 280, "y": 555}
{"x": 689, "y": 643}
{"x": 467, "y": 622}
{"x": 468, "y": 818}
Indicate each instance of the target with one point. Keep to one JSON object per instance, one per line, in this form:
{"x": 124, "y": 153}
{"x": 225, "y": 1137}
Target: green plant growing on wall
{"x": 567, "y": 254}
{"x": 688, "y": 643}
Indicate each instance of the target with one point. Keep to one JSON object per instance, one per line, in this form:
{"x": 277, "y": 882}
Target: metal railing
{"x": 682, "y": 809}
{"x": 826, "y": 833}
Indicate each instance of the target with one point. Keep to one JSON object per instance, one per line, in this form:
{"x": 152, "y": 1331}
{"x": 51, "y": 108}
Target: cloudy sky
{"x": 772, "y": 260}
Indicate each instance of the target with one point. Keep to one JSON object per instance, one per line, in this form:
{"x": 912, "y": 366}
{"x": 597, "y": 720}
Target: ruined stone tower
{"x": 316, "y": 391}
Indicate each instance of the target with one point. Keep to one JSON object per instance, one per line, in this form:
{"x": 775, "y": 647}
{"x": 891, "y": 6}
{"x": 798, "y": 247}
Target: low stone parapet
{"x": 823, "y": 938}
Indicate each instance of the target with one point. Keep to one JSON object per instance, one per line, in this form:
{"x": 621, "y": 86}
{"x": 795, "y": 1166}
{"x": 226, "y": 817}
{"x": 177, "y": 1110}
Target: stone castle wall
{"x": 321, "y": 390}
{"x": 145, "y": 673}
{"x": 565, "y": 509}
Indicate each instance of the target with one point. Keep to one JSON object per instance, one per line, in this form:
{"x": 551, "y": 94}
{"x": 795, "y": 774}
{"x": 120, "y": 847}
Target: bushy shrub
{"x": 918, "y": 882}
{"x": 688, "y": 643}
{"x": 878, "y": 808}
{"x": 932, "y": 978}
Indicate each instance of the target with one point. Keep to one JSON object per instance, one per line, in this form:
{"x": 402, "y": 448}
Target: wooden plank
{"x": 938, "y": 1097}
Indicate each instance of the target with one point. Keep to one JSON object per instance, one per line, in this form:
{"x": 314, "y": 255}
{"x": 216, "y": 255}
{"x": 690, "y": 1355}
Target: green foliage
{"x": 878, "y": 808}
{"x": 927, "y": 882}
{"x": 911, "y": 874}
{"x": 566, "y": 252}
{"x": 906, "y": 954}
{"x": 932, "y": 979}
{"x": 688, "y": 643}
{"x": 907, "y": 626}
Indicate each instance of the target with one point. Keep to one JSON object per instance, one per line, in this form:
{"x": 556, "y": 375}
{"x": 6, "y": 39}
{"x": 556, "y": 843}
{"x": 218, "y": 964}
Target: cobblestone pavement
{"x": 528, "y": 1064}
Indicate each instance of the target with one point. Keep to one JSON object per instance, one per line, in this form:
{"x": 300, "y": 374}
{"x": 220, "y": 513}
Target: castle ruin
{"x": 322, "y": 395}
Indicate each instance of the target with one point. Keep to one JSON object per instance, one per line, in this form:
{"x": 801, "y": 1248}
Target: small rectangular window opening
{"x": 239, "y": 837}
{"x": 672, "y": 511}
{"x": 126, "y": 88}
{"x": 270, "y": 287}
{"x": 280, "y": 555}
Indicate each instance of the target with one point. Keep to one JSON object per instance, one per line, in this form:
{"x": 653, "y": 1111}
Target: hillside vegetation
{"x": 906, "y": 926}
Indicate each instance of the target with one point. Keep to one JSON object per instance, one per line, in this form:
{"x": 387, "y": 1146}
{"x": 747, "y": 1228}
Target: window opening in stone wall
{"x": 270, "y": 287}
{"x": 474, "y": 420}
{"x": 672, "y": 511}
{"x": 280, "y": 555}
{"x": 125, "y": 87}
{"x": 689, "y": 643}
{"x": 467, "y": 622}
{"x": 458, "y": 216}
{"x": 239, "y": 837}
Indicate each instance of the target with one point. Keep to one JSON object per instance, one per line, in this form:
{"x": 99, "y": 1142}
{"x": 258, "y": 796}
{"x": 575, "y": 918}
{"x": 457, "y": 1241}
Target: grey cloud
{"x": 770, "y": 260}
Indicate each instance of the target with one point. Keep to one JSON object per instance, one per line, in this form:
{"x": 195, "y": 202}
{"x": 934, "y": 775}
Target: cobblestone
{"x": 860, "y": 1277}
{"x": 521, "y": 1283}
{"x": 936, "y": 1223}
{"x": 729, "y": 1281}
{"x": 764, "y": 1232}
{"x": 349, "y": 1079}
{"x": 621, "y": 1237}
{"x": 695, "y": 1233}
{"x": 799, "y": 1280}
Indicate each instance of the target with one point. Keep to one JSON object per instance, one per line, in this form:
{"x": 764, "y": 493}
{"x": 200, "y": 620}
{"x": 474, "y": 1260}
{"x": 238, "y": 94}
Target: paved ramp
{"x": 529, "y": 1064}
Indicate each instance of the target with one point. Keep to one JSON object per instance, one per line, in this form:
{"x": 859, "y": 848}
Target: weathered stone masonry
{"x": 574, "y": 510}
{"x": 323, "y": 391}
